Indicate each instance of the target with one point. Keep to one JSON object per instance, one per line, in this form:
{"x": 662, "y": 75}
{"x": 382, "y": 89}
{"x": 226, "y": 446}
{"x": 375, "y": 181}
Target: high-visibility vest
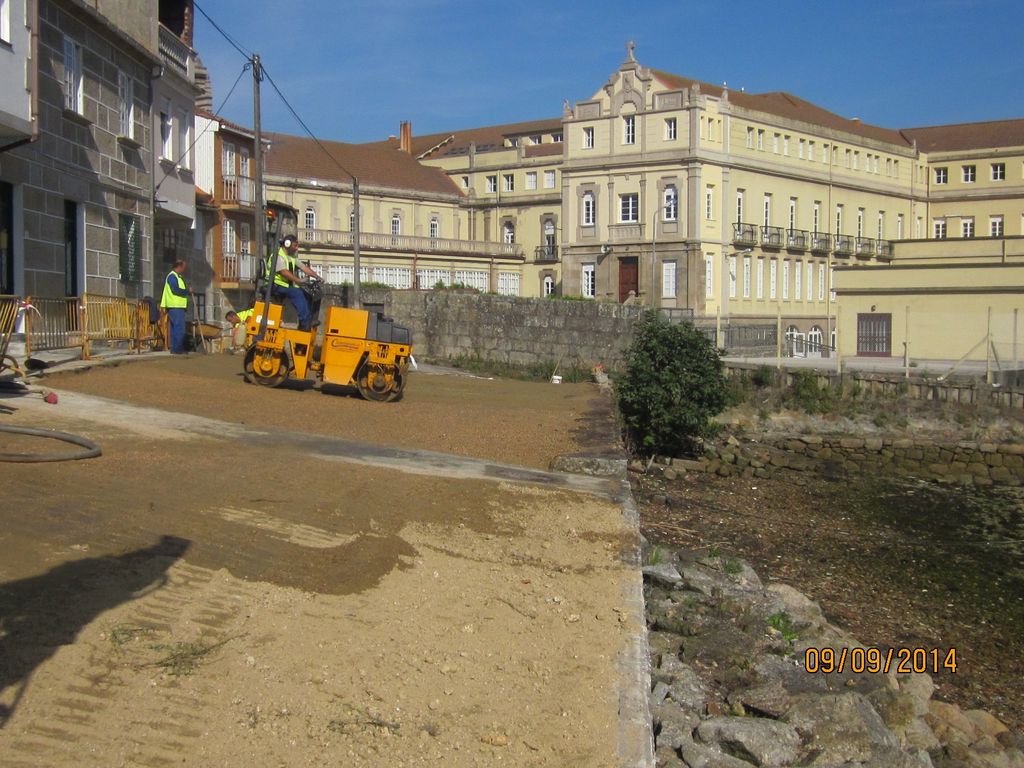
{"x": 169, "y": 300}
{"x": 244, "y": 315}
{"x": 289, "y": 264}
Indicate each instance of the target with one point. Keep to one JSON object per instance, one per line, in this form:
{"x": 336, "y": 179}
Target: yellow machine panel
{"x": 347, "y": 322}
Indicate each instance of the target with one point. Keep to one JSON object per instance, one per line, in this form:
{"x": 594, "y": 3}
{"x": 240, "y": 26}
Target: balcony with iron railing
{"x": 744, "y": 234}
{"x": 544, "y": 254}
{"x": 176, "y": 53}
{"x": 844, "y": 245}
{"x": 237, "y": 267}
{"x": 376, "y": 241}
{"x": 884, "y": 250}
{"x": 865, "y": 247}
{"x": 772, "y": 237}
{"x": 821, "y": 242}
{"x": 797, "y": 239}
{"x": 238, "y": 191}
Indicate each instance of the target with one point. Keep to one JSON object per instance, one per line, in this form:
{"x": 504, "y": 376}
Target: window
{"x": 810, "y": 150}
{"x": 465, "y": 182}
{"x": 709, "y": 275}
{"x": 797, "y": 280}
{"x": 549, "y": 286}
{"x": 839, "y": 219}
{"x": 492, "y": 184}
{"x": 671, "y": 210}
{"x": 967, "y": 227}
{"x": 126, "y": 100}
{"x": 589, "y": 210}
{"x": 824, "y": 153}
{"x": 760, "y": 278}
{"x": 73, "y": 96}
{"x": 396, "y": 224}
{"x": 531, "y": 180}
{"x": 184, "y": 139}
{"x": 785, "y": 279}
{"x": 888, "y": 166}
{"x": 508, "y": 233}
{"x": 588, "y": 281}
{"x": 785, "y": 145}
{"x": 509, "y": 182}
{"x": 166, "y": 134}
{"x": 802, "y": 149}
{"x": 747, "y": 270}
{"x": 860, "y": 222}
{"x": 968, "y": 173}
{"x": 670, "y": 129}
{"x": 773, "y": 273}
{"x": 535, "y": 139}
{"x": 792, "y": 213}
{"x": 5, "y": 20}
{"x": 549, "y": 179}
{"x": 810, "y": 281}
{"x": 352, "y": 221}
{"x": 899, "y": 226}
{"x": 732, "y": 277}
{"x": 760, "y": 139}
{"x": 821, "y": 282}
{"x": 995, "y": 226}
{"x": 629, "y": 206}
{"x": 766, "y": 218}
{"x": 750, "y": 138}
{"x": 856, "y": 161}
{"x": 816, "y": 216}
{"x": 739, "y": 206}
{"x": 310, "y": 218}
{"x": 629, "y": 129}
{"x": 881, "y": 225}
{"x": 942, "y": 175}
{"x": 775, "y": 142}
{"x": 588, "y": 138}
{"x": 998, "y": 171}
{"x": 939, "y": 229}
{"x": 709, "y": 202}
{"x": 556, "y": 137}
{"x": 668, "y": 279}
{"x": 435, "y": 228}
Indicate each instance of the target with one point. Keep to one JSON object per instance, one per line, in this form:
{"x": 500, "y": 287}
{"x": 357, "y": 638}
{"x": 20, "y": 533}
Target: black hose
{"x": 91, "y": 449}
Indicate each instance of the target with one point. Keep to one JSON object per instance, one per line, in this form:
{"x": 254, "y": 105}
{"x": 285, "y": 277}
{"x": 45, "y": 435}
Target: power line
{"x": 225, "y": 35}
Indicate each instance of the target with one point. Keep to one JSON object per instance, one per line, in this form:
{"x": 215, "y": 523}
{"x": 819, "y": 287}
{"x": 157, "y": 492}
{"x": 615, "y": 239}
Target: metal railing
{"x": 9, "y": 308}
{"x": 821, "y": 242}
{"x": 384, "y": 242}
{"x": 797, "y": 239}
{"x": 238, "y": 190}
{"x": 751, "y": 339}
{"x": 884, "y": 250}
{"x": 866, "y": 246}
{"x": 237, "y": 267}
{"x": 54, "y": 324}
{"x": 544, "y": 253}
{"x": 772, "y": 237}
{"x": 844, "y": 245}
{"x": 744, "y": 234}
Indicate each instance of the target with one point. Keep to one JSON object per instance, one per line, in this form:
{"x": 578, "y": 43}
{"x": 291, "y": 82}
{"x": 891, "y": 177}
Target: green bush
{"x": 808, "y": 395}
{"x": 672, "y": 387}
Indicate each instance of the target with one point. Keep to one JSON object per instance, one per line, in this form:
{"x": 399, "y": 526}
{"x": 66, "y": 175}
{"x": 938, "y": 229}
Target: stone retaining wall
{"x": 965, "y": 463}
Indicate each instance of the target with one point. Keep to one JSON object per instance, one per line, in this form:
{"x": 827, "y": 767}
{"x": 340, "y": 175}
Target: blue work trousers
{"x": 176, "y": 330}
{"x": 298, "y": 300}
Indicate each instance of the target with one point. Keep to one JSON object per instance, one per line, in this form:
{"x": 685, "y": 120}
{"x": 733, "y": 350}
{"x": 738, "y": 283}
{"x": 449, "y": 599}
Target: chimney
{"x": 405, "y": 137}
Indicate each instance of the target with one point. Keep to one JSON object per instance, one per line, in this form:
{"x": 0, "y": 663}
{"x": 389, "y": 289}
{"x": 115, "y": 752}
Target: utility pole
{"x": 261, "y": 224}
{"x": 355, "y": 243}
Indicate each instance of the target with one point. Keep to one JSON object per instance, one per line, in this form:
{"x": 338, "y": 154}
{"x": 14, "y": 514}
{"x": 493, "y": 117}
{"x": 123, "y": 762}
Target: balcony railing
{"x": 624, "y": 233}
{"x": 744, "y": 234}
{"x": 332, "y": 238}
{"x": 175, "y": 52}
{"x": 545, "y": 253}
{"x": 884, "y": 249}
{"x": 821, "y": 242}
{"x": 237, "y": 267}
{"x": 865, "y": 247}
{"x": 844, "y": 245}
{"x": 772, "y": 237}
{"x": 238, "y": 190}
{"x": 797, "y": 239}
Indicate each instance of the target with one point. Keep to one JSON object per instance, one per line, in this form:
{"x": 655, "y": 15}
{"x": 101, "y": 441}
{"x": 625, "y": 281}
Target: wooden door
{"x": 629, "y": 275}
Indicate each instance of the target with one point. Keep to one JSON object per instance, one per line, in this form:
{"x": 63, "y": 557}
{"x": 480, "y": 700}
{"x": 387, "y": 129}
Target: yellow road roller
{"x": 357, "y": 349}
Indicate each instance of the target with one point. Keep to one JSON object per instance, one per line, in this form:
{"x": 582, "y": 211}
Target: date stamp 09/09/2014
{"x": 872, "y": 660}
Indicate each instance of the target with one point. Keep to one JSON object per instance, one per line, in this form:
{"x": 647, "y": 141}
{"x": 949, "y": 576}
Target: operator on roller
{"x": 287, "y": 279}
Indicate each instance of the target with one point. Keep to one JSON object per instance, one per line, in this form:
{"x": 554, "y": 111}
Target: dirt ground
{"x": 199, "y": 600}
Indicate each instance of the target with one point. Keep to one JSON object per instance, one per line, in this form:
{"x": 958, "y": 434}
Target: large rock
{"x": 766, "y": 743}
{"x": 842, "y": 728}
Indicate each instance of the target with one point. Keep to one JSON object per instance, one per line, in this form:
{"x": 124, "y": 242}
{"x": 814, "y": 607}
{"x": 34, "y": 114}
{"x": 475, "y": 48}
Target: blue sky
{"x": 353, "y": 70}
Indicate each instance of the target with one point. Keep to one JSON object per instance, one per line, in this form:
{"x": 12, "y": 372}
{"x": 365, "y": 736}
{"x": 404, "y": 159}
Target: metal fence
{"x": 76, "y": 322}
{"x": 747, "y": 339}
{"x": 9, "y": 307}
{"x": 54, "y": 324}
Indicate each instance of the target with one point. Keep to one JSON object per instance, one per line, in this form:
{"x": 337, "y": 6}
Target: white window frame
{"x": 881, "y": 225}
{"x": 766, "y": 218}
{"x": 860, "y": 222}
{"x": 548, "y": 286}
{"x": 709, "y": 202}
{"x": 549, "y": 179}
{"x": 969, "y": 173}
{"x": 709, "y": 276}
{"x": 434, "y": 228}
{"x": 810, "y": 280}
{"x": 508, "y": 182}
{"x": 760, "y": 139}
{"x": 998, "y": 172}
{"x": 185, "y": 140}
{"x": 588, "y": 137}
{"x": 995, "y": 226}
{"x": 942, "y": 175}
{"x": 939, "y": 231}
{"x": 785, "y": 279}
{"x": 760, "y": 277}
{"x": 492, "y": 184}
{"x": 839, "y": 219}
{"x": 773, "y": 279}
{"x": 732, "y": 277}
{"x": 629, "y": 129}
{"x": 309, "y": 217}
{"x": 899, "y": 226}
{"x": 671, "y": 129}
{"x": 396, "y": 224}
{"x": 816, "y": 216}
{"x": 589, "y": 213}
{"x": 629, "y": 208}
{"x": 747, "y": 276}
{"x": 792, "y": 213}
{"x": 750, "y": 137}
{"x": 508, "y": 233}
{"x": 126, "y": 101}
{"x": 668, "y": 279}
{"x": 531, "y": 180}
{"x": 821, "y": 282}
{"x": 588, "y": 280}
{"x": 967, "y": 227}
{"x": 670, "y": 210}
{"x": 798, "y": 283}
{"x": 5, "y": 20}
{"x": 167, "y": 131}
{"x": 739, "y": 205}
{"x": 74, "y": 90}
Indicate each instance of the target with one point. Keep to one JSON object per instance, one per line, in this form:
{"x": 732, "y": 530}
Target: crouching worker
{"x": 287, "y": 279}
{"x": 239, "y": 321}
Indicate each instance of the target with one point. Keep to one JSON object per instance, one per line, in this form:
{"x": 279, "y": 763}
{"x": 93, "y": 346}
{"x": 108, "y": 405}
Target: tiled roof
{"x": 545, "y": 150}
{"x": 378, "y": 164}
{"x": 789, "y": 106}
{"x": 487, "y": 139}
{"x": 235, "y": 127}
{"x": 951, "y": 138}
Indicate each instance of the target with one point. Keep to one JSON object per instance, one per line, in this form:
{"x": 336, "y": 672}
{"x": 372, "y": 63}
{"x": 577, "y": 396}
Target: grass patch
{"x": 121, "y": 635}
{"x": 782, "y": 622}
{"x": 542, "y": 371}
{"x": 183, "y": 658}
